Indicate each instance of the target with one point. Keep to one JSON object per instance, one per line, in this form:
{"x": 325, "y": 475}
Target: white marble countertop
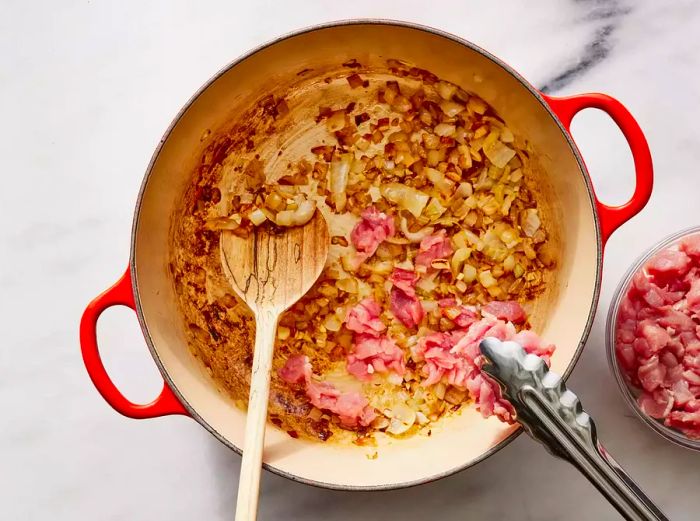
{"x": 86, "y": 90}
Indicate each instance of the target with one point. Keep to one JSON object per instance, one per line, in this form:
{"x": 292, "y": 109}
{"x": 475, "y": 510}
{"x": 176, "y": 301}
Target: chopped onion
{"x": 429, "y": 305}
{"x": 338, "y": 180}
{"x": 401, "y": 104}
{"x": 439, "y": 390}
{"x": 530, "y": 222}
{"x": 284, "y": 190}
{"x": 458, "y": 258}
{"x": 474, "y": 239}
{"x": 435, "y": 156}
{"x": 464, "y": 190}
{"x": 405, "y": 197}
{"x": 332, "y": 323}
{"x": 414, "y": 236}
{"x": 434, "y": 209}
{"x": 349, "y": 285}
{"x": 495, "y": 250}
{"x": 405, "y": 265}
{"x": 469, "y": 273}
{"x": 402, "y": 419}
{"x": 476, "y": 105}
{"x": 374, "y": 193}
{"x": 498, "y": 153}
{"x": 358, "y": 165}
{"x": 427, "y": 283}
{"x": 461, "y": 135}
{"x": 439, "y": 180}
{"x": 471, "y": 218}
{"x": 461, "y": 210}
{"x": 507, "y": 135}
{"x": 421, "y": 418}
{"x": 509, "y": 237}
{"x": 518, "y": 271}
{"x": 382, "y": 267}
{"x": 507, "y": 202}
{"x": 484, "y": 182}
{"x": 394, "y": 378}
{"x": 257, "y": 217}
{"x": 446, "y": 90}
{"x": 454, "y": 395}
{"x": 445, "y": 129}
{"x": 451, "y": 108}
{"x": 224, "y": 223}
{"x": 298, "y": 217}
{"x": 274, "y": 202}
{"x": 489, "y": 205}
{"x": 465, "y": 161}
{"x": 351, "y": 261}
{"x": 459, "y": 240}
{"x": 431, "y": 141}
{"x": 486, "y": 279}
{"x": 336, "y": 121}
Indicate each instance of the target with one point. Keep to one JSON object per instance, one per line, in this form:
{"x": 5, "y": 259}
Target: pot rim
{"x": 329, "y": 25}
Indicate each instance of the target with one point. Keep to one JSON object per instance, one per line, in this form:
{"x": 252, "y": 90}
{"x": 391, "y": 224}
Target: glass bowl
{"x": 629, "y": 391}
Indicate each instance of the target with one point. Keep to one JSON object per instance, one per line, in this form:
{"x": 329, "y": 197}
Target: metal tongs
{"x": 553, "y": 415}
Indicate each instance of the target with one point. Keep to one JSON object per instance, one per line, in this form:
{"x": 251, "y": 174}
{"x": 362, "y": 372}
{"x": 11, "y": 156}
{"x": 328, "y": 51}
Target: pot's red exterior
{"x": 612, "y": 217}
{"x": 120, "y": 294}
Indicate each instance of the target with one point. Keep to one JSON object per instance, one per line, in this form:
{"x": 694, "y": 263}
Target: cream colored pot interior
{"x": 563, "y": 318}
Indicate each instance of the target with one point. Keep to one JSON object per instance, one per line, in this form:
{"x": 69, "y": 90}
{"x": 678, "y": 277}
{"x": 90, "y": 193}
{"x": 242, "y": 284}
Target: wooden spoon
{"x": 270, "y": 270}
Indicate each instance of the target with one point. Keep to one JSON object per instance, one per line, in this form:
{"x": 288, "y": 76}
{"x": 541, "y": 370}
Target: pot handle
{"x": 120, "y": 294}
{"x": 612, "y": 217}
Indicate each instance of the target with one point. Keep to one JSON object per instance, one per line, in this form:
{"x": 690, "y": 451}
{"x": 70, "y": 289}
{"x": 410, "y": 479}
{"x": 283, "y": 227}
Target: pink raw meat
{"x": 657, "y": 405}
{"x": 676, "y": 320}
{"x": 364, "y": 318}
{"x": 296, "y": 370}
{"x": 375, "y": 355}
{"x": 669, "y": 262}
{"x": 454, "y": 358}
{"x": 693, "y": 296}
{"x": 651, "y": 374}
{"x": 436, "y": 246}
{"x": 657, "y": 336}
{"x": 406, "y": 308}
{"x": 373, "y": 228}
{"x": 691, "y": 246}
{"x": 352, "y": 408}
{"x": 405, "y": 280}
{"x": 510, "y": 311}
{"x": 626, "y": 356}
{"x": 403, "y": 300}
{"x": 462, "y": 316}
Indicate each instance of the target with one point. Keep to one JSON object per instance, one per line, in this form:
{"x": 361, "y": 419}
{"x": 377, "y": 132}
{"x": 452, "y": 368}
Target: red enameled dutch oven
{"x": 581, "y": 222}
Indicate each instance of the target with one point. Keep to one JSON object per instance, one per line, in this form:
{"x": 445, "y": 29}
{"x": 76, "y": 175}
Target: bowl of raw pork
{"x": 653, "y": 337}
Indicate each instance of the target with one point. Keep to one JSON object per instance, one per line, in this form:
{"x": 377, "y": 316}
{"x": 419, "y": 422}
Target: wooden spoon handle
{"x": 256, "y": 418}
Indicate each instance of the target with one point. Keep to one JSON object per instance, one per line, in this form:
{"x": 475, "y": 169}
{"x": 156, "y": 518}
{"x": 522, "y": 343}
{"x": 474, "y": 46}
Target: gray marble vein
{"x": 601, "y": 44}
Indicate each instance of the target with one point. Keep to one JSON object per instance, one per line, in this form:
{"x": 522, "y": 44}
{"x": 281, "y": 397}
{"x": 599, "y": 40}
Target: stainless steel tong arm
{"x": 553, "y": 415}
